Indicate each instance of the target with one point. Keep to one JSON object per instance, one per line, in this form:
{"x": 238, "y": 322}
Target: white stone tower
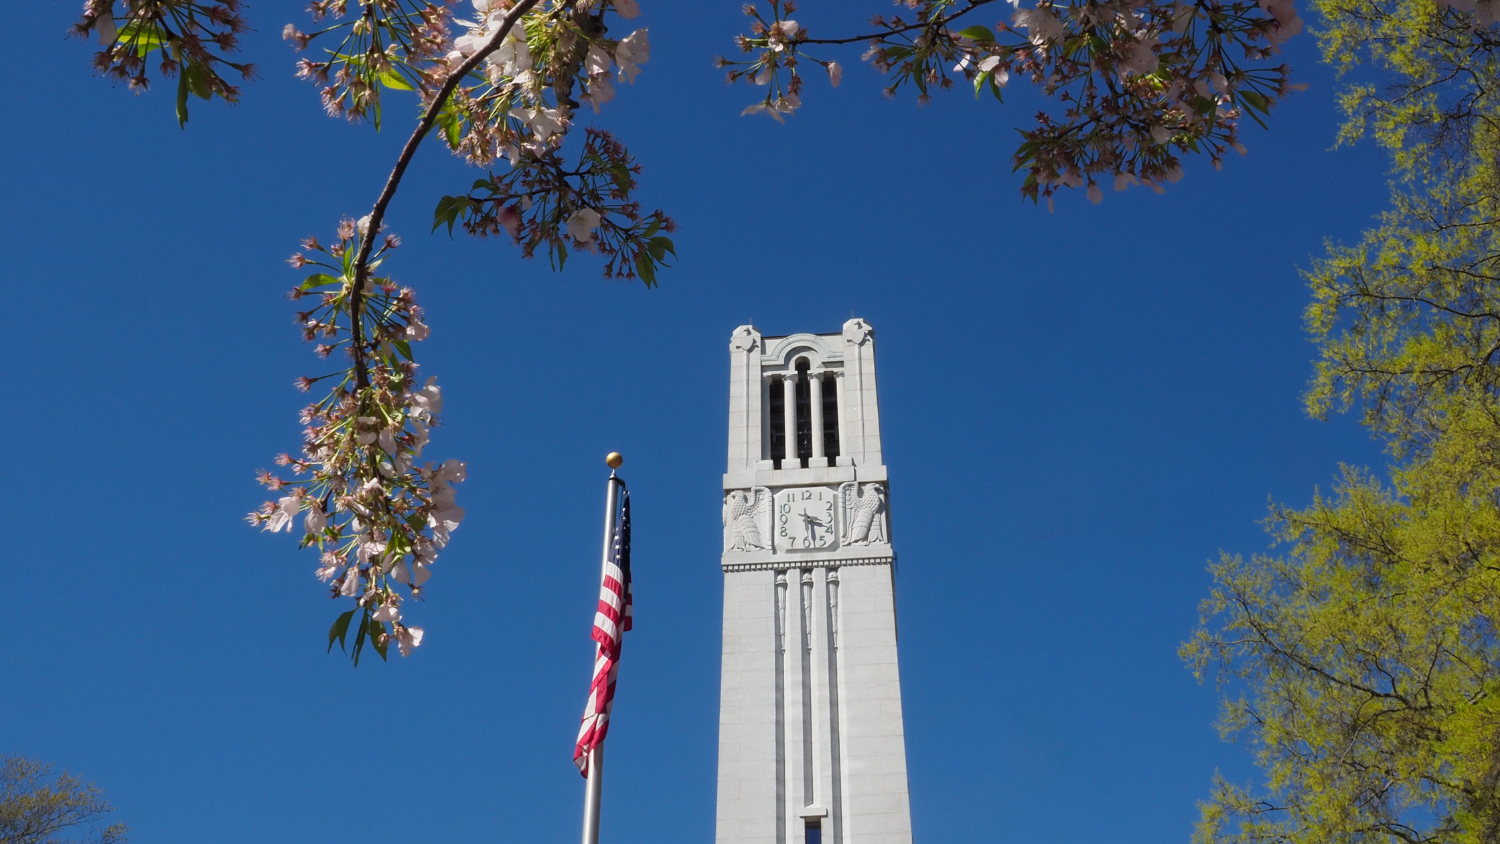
{"x": 811, "y": 745}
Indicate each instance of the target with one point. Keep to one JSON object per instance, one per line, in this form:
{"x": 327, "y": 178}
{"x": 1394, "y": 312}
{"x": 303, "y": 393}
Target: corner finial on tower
{"x": 857, "y": 331}
{"x": 744, "y": 339}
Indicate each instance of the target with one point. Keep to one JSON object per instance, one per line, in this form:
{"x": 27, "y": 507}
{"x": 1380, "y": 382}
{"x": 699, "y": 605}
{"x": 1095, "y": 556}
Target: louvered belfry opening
{"x": 777, "y": 415}
{"x": 803, "y": 387}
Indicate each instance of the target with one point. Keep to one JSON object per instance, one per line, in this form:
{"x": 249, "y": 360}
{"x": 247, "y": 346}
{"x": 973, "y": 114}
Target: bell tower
{"x": 811, "y": 744}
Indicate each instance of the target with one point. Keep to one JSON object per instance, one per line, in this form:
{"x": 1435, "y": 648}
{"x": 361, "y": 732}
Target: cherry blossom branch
{"x": 187, "y": 51}
{"x": 1140, "y": 83}
{"x": 378, "y": 518}
{"x": 875, "y": 36}
{"x": 377, "y": 214}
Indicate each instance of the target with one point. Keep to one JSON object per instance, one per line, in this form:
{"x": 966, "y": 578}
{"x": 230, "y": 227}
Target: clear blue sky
{"x": 1081, "y": 409}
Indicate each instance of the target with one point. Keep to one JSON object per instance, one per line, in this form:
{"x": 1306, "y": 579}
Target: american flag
{"x": 610, "y": 622}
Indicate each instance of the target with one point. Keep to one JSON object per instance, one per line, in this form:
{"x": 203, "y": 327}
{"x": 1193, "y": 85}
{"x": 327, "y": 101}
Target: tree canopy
{"x": 1368, "y": 654}
{"x": 35, "y": 808}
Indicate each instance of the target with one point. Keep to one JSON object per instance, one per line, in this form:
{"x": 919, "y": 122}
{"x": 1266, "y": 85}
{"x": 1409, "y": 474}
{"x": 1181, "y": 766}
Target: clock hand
{"x": 812, "y": 523}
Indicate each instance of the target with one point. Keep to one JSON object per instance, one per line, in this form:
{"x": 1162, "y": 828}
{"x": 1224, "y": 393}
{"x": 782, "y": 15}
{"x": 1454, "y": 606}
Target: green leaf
{"x": 141, "y": 38}
{"x": 197, "y": 81}
{"x": 977, "y": 33}
{"x": 1252, "y": 98}
{"x": 404, "y": 348}
{"x": 318, "y": 280}
{"x": 182, "y": 95}
{"x": 359, "y": 639}
{"x": 453, "y": 128}
{"x": 339, "y": 629}
{"x": 659, "y": 246}
{"x": 392, "y": 79}
{"x": 447, "y": 211}
{"x": 645, "y": 269}
{"x": 1025, "y": 153}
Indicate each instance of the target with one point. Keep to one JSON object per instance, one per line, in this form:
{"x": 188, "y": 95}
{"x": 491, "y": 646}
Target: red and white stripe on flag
{"x": 612, "y": 619}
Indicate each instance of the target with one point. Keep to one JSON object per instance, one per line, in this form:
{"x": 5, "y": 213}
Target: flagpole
{"x": 594, "y": 789}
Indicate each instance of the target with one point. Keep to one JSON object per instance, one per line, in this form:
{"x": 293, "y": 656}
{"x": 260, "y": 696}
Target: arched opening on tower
{"x": 776, "y": 414}
{"x": 801, "y": 416}
{"x": 803, "y": 387}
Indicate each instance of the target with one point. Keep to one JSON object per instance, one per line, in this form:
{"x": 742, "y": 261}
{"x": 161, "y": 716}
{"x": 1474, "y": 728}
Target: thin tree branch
{"x": 377, "y": 214}
{"x": 941, "y": 19}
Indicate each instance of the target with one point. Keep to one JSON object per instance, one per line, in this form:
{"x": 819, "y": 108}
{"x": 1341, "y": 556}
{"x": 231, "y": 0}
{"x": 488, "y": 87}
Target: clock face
{"x": 804, "y": 519}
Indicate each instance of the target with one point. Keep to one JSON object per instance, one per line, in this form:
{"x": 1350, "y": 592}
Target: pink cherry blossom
{"x": 281, "y": 517}
{"x": 408, "y": 638}
{"x": 582, "y": 223}
{"x": 633, "y": 50}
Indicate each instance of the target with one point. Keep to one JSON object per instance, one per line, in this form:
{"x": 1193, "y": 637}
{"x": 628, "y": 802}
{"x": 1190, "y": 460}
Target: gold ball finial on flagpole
{"x": 613, "y": 460}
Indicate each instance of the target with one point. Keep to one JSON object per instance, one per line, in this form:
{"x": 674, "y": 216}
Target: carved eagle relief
{"x": 743, "y": 514}
{"x": 864, "y": 513}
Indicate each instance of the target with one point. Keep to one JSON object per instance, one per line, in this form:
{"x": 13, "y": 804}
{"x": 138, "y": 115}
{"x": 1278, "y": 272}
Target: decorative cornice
{"x": 783, "y": 565}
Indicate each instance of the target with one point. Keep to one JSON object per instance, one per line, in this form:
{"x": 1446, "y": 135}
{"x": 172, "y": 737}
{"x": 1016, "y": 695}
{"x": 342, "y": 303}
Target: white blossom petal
{"x": 351, "y": 583}
{"x": 581, "y": 225}
{"x": 408, "y": 638}
{"x": 315, "y": 520}
{"x": 105, "y": 26}
{"x": 281, "y": 517}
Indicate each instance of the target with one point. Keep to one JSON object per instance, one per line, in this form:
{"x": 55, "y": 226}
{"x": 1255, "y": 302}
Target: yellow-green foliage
{"x": 1408, "y": 321}
{"x": 1424, "y": 75}
{"x": 1371, "y": 665}
{"x": 1368, "y": 653}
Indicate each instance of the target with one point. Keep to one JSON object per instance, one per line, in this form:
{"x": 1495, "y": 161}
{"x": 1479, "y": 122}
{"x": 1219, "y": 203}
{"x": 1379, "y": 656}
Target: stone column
{"x": 794, "y": 719}
{"x": 764, "y": 418}
{"x": 815, "y": 393}
{"x": 841, "y": 390}
{"x": 824, "y": 711}
{"x": 744, "y": 397}
{"x": 789, "y": 417}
